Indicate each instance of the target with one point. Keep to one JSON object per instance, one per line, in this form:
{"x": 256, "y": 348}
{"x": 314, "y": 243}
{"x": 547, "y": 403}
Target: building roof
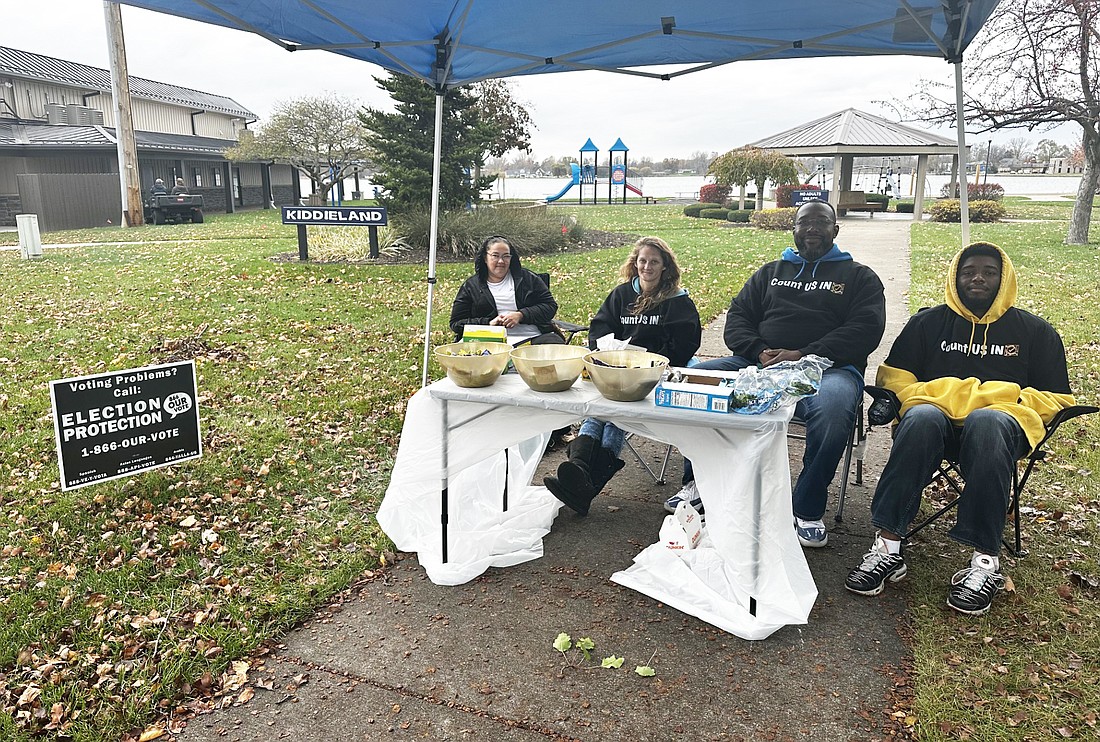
{"x": 27, "y": 137}
{"x": 856, "y": 132}
{"x": 38, "y": 67}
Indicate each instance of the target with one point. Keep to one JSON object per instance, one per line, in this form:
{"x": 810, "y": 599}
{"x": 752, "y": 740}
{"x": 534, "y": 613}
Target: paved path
{"x": 401, "y": 658}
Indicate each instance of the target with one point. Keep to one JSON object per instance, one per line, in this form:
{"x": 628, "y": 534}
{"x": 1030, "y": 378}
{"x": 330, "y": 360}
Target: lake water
{"x": 687, "y": 186}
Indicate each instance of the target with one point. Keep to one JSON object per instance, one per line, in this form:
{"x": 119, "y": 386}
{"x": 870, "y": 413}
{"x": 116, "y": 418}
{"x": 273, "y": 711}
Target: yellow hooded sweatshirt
{"x": 1008, "y": 359}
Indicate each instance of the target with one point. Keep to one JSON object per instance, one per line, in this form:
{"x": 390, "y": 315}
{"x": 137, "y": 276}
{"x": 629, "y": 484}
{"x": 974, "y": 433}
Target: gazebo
{"x": 848, "y": 134}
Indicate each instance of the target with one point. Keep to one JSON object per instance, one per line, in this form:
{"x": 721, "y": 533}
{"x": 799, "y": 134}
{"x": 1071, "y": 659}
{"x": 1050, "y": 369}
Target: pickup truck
{"x": 165, "y": 209}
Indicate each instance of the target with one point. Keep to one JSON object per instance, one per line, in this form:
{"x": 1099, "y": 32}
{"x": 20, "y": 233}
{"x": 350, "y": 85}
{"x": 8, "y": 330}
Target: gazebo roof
{"x": 853, "y": 132}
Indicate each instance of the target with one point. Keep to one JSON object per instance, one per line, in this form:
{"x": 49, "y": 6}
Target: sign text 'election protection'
{"x": 124, "y": 422}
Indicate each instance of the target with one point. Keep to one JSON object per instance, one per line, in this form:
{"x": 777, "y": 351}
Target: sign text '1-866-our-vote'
{"x": 123, "y": 422}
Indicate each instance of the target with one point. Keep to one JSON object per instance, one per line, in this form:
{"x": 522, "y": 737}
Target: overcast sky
{"x": 715, "y": 110}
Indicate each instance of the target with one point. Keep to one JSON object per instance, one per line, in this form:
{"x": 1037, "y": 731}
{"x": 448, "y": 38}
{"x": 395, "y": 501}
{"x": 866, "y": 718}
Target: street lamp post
{"x": 988, "y": 147}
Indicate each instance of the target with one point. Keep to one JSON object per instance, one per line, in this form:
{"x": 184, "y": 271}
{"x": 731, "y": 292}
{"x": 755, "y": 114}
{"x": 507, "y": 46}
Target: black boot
{"x": 607, "y": 465}
{"x": 573, "y": 485}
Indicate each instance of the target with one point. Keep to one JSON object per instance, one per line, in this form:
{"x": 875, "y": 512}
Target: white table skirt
{"x": 748, "y": 576}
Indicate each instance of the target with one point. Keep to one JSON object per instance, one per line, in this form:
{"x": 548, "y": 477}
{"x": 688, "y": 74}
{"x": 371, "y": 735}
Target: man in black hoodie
{"x": 979, "y": 377}
{"x": 814, "y": 300}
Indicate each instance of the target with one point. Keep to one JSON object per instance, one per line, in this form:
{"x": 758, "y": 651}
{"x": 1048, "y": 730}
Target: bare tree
{"x": 1018, "y": 147}
{"x": 1035, "y": 65}
{"x": 320, "y": 136}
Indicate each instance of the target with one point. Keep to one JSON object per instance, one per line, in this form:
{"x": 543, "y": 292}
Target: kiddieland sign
{"x": 125, "y": 422}
{"x": 340, "y": 216}
{"x": 372, "y": 217}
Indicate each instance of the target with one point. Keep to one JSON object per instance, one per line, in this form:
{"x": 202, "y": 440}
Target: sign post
{"x": 335, "y": 216}
{"x": 119, "y": 423}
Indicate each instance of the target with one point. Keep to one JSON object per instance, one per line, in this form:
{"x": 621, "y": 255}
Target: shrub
{"x": 985, "y": 192}
{"x": 714, "y": 213}
{"x": 949, "y": 210}
{"x": 694, "y": 209}
{"x": 975, "y": 192}
{"x": 739, "y": 215}
{"x": 773, "y": 218}
{"x": 352, "y": 243}
{"x": 462, "y": 232}
{"x": 712, "y": 193}
{"x": 904, "y": 207}
{"x": 783, "y": 193}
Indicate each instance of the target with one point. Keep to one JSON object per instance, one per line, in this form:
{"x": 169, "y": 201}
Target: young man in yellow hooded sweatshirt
{"x": 976, "y": 377}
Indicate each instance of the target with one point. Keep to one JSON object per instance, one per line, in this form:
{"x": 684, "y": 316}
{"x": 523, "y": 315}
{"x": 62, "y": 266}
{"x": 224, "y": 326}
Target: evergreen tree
{"x": 402, "y": 145}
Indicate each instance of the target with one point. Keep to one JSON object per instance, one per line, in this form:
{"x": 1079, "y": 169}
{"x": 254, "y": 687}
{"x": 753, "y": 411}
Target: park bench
{"x": 857, "y": 201}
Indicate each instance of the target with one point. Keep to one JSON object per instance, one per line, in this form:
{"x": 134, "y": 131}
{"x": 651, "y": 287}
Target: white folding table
{"x": 461, "y": 497}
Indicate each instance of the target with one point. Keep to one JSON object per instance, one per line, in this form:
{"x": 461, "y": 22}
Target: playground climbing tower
{"x": 589, "y": 154}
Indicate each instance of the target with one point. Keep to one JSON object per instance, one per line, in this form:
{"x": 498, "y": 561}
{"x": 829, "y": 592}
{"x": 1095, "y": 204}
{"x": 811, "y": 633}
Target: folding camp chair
{"x": 857, "y": 446}
{"x": 658, "y": 475}
{"x": 885, "y": 408}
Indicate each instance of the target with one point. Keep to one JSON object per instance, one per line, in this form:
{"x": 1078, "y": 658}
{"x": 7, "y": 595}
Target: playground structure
{"x": 584, "y": 174}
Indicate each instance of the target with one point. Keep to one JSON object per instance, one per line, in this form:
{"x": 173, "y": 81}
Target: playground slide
{"x": 556, "y": 196}
{"x": 576, "y": 171}
{"x": 634, "y": 190}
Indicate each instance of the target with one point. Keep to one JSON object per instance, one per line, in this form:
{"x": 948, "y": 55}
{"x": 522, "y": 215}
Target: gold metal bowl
{"x": 549, "y": 368}
{"x": 625, "y": 375}
{"x": 468, "y": 364}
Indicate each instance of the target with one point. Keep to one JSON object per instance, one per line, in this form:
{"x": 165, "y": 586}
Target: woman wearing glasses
{"x": 502, "y": 292}
{"x": 649, "y": 309}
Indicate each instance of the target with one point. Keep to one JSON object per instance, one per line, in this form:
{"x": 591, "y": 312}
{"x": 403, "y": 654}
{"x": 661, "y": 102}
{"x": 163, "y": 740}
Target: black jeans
{"x": 986, "y": 448}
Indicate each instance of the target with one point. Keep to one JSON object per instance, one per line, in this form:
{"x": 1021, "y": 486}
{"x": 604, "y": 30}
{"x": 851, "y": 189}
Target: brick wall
{"x": 10, "y": 205}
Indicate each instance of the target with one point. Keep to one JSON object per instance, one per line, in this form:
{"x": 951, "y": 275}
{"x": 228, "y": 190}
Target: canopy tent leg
{"x": 433, "y": 240}
{"x": 964, "y": 207}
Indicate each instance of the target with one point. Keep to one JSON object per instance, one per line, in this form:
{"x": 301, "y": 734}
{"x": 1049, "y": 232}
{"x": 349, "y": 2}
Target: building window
{"x": 217, "y": 177}
{"x": 196, "y": 176}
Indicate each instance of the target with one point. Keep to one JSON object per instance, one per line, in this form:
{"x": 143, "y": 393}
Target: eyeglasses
{"x": 499, "y": 257}
{"x": 820, "y": 222}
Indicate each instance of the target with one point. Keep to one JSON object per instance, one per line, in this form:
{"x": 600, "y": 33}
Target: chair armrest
{"x": 1064, "y": 414}
{"x": 568, "y": 329}
{"x": 569, "y": 326}
{"x": 885, "y": 405}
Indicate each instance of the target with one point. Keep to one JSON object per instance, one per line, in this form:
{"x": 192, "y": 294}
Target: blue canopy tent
{"x": 448, "y": 43}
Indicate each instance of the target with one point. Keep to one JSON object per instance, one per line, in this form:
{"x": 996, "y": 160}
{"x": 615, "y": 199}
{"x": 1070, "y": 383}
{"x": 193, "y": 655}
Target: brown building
{"x": 57, "y": 142}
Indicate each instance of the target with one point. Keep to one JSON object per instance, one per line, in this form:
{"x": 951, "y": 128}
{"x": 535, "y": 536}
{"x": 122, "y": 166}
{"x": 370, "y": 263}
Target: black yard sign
{"x": 125, "y": 422}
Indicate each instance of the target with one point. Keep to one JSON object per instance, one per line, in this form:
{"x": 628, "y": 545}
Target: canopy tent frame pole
{"x": 964, "y": 207}
{"x": 433, "y": 240}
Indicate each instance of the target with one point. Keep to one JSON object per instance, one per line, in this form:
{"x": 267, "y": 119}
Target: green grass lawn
{"x": 1027, "y": 670}
{"x": 121, "y": 601}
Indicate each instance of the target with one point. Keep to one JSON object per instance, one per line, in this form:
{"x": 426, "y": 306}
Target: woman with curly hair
{"x": 649, "y": 309}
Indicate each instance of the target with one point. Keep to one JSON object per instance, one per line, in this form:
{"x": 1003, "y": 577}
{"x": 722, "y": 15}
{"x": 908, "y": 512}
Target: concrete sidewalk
{"x": 402, "y": 658}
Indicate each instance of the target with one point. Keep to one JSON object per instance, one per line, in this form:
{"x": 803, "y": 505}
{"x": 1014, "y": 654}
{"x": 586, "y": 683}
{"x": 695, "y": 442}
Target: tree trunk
{"x": 741, "y": 200}
{"x": 1082, "y": 208}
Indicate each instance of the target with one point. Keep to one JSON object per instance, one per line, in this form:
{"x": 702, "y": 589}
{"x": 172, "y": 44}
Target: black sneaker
{"x": 973, "y": 588}
{"x": 878, "y": 566}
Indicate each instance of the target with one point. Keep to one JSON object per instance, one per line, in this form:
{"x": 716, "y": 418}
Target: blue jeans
{"x": 609, "y": 436}
{"x": 830, "y": 415}
{"x": 986, "y": 448}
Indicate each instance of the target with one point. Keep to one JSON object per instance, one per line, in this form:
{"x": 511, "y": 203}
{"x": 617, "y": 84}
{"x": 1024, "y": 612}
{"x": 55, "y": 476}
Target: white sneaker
{"x": 811, "y": 533}
{"x": 690, "y": 493}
